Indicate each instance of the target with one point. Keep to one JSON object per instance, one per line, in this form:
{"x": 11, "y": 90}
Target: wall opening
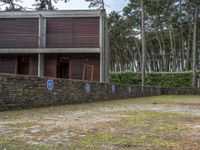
{"x": 63, "y": 67}
{"x": 8, "y": 64}
{"x": 23, "y": 65}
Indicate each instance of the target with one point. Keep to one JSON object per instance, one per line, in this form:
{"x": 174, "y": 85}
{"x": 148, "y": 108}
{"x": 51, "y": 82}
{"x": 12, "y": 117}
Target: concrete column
{"x": 40, "y": 65}
{"x": 107, "y": 52}
{"x": 42, "y": 32}
{"x": 104, "y": 49}
{"x": 102, "y": 46}
{"x": 41, "y": 44}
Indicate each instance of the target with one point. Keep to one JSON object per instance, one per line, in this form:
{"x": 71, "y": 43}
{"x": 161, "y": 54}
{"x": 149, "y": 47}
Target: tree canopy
{"x": 12, "y": 5}
{"x": 169, "y": 35}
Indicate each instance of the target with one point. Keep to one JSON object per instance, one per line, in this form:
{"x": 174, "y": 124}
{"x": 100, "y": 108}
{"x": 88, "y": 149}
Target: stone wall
{"x": 18, "y": 92}
{"x": 180, "y": 91}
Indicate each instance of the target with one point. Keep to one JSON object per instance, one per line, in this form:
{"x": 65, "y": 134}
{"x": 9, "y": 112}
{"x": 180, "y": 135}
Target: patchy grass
{"x": 25, "y": 124}
{"x": 18, "y": 145}
{"x": 141, "y": 123}
{"x": 99, "y": 140}
{"x": 167, "y": 99}
{"x": 142, "y": 130}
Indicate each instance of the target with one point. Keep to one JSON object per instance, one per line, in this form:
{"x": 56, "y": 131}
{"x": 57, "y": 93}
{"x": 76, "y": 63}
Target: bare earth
{"x": 71, "y": 126}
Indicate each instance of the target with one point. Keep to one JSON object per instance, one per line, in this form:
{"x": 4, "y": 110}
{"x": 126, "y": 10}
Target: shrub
{"x": 163, "y": 79}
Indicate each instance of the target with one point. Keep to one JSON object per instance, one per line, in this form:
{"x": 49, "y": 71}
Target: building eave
{"x": 55, "y": 13}
{"x": 47, "y": 50}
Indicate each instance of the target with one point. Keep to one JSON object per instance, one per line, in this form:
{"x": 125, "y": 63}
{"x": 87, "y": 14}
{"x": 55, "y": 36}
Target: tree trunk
{"x": 182, "y": 40}
{"x": 194, "y": 78}
{"x": 173, "y": 50}
{"x": 165, "y": 65}
{"x": 187, "y": 65}
{"x": 182, "y": 50}
{"x": 143, "y": 46}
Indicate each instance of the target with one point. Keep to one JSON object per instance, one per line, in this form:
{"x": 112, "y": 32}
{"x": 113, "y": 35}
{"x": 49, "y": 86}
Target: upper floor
{"x": 52, "y": 30}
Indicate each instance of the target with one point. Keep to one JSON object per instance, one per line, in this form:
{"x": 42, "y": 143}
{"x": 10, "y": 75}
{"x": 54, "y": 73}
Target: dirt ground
{"x": 163, "y": 122}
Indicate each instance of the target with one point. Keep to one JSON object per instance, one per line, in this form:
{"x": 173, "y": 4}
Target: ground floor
{"x": 69, "y": 66}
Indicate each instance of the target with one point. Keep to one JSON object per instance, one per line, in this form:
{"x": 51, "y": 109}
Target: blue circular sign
{"x": 87, "y": 88}
{"x": 113, "y": 88}
{"x": 50, "y": 84}
{"x": 151, "y": 90}
{"x": 142, "y": 89}
{"x": 129, "y": 89}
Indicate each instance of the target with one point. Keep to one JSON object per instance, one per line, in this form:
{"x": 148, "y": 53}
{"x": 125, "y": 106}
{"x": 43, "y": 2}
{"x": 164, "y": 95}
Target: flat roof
{"x": 53, "y": 13}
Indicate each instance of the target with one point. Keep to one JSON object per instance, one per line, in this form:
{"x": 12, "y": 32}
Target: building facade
{"x": 64, "y": 44}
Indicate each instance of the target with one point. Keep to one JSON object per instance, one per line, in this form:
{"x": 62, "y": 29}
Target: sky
{"x": 111, "y": 5}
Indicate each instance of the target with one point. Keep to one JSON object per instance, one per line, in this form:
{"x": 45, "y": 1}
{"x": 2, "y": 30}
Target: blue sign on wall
{"x": 158, "y": 91}
{"x": 50, "y": 84}
{"x": 113, "y": 88}
{"x": 151, "y": 90}
{"x": 129, "y": 89}
{"x": 87, "y": 88}
{"x": 142, "y": 89}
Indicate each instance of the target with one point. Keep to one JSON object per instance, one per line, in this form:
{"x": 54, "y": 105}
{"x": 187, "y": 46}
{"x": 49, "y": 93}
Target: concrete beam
{"x": 47, "y": 50}
{"x": 55, "y": 13}
{"x": 40, "y": 65}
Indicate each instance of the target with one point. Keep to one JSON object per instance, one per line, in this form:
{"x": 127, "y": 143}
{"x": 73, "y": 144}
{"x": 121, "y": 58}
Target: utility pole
{"x": 143, "y": 45}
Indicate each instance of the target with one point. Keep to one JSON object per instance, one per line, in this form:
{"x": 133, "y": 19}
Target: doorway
{"x": 63, "y": 67}
{"x": 23, "y": 65}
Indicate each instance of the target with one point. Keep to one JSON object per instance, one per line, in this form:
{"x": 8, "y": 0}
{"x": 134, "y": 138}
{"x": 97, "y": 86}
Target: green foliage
{"x": 169, "y": 31}
{"x": 46, "y": 4}
{"x": 163, "y": 79}
{"x": 126, "y": 78}
{"x": 12, "y": 5}
{"x": 99, "y": 4}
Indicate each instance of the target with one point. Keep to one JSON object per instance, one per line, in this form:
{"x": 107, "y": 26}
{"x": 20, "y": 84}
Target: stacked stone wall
{"x": 19, "y": 92}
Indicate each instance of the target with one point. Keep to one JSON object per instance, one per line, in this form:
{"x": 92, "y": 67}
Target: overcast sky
{"x": 116, "y": 5}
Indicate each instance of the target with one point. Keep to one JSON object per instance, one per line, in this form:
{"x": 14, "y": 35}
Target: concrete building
{"x": 64, "y": 44}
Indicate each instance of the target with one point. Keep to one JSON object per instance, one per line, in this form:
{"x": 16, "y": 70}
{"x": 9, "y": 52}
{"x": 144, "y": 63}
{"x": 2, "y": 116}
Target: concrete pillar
{"x": 42, "y": 32}
{"x": 102, "y": 47}
{"x": 40, "y": 65}
{"x": 41, "y": 44}
{"x": 107, "y": 52}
